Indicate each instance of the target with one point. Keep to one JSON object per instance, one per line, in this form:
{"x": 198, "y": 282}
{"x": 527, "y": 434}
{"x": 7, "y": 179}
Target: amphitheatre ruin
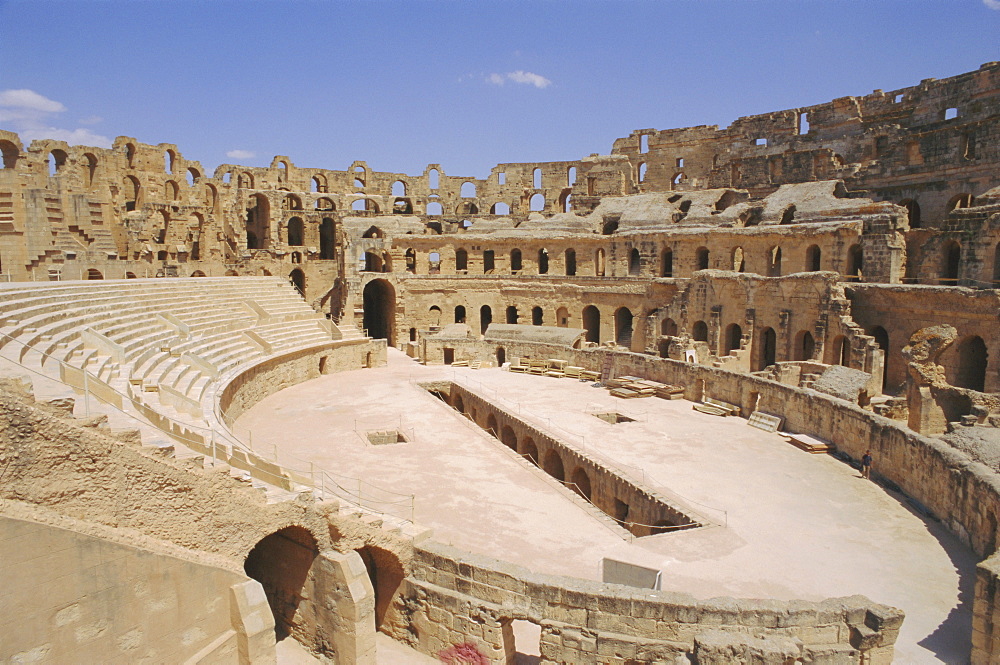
{"x": 604, "y": 410}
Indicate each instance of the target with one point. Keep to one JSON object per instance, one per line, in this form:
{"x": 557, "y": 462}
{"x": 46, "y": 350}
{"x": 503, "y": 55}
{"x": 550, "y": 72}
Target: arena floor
{"x": 792, "y": 525}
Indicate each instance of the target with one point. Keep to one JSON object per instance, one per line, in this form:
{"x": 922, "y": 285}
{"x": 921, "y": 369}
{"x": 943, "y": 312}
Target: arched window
{"x": 434, "y": 208}
{"x": 327, "y": 240}
{"x": 433, "y": 179}
{"x": 951, "y": 262}
{"x": 912, "y": 211}
{"x": 667, "y": 263}
{"x": 733, "y": 339}
{"x": 537, "y": 203}
{"x": 774, "y": 262}
{"x": 460, "y": 314}
{"x": 295, "y": 232}
{"x": 258, "y": 222}
{"x": 571, "y": 261}
{"x": 319, "y": 183}
{"x": 434, "y": 263}
{"x": 536, "y": 178}
{"x": 89, "y": 169}
{"x": 399, "y": 188}
{"x": 739, "y": 262}
{"x": 805, "y": 346}
{"x": 461, "y": 260}
{"x": 961, "y": 201}
{"x": 485, "y": 318}
{"x": 411, "y": 261}
{"x": 192, "y": 176}
{"x": 500, "y": 208}
{"x": 765, "y": 347}
{"x": 171, "y": 190}
{"x": 537, "y": 316}
{"x": 788, "y": 216}
{"x": 57, "y": 160}
{"x": 133, "y": 193}
{"x": 623, "y": 327}
{"x": 592, "y": 323}
{"x": 291, "y": 202}
{"x": 130, "y": 155}
{"x": 543, "y": 261}
{"x": 642, "y": 172}
{"x": 244, "y": 181}
{"x": 813, "y": 258}
{"x": 468, "y": 190}
{"x": 854, "y": 262}
{"x": 562, "y": 317}
{"x": 511, "y": 314}
{"x": 10, "y": 154}
{"x": 168, "y": 161}
{"x": 489, "y": 261}
{"x": 668, "y": 327}
{"x": 701, "y": 258}
{"x": 634, "y": 263}
{"x": 699, "y": 331}
{"x": 515, "y": 260}
{"x": 571, "y": 176}
{"x": 972, "y": 361}
{"x": 324, "y": 203}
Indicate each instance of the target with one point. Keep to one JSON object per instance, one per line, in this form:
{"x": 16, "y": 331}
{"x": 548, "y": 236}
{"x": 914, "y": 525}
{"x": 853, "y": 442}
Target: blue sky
{"x": 465, "y": 84}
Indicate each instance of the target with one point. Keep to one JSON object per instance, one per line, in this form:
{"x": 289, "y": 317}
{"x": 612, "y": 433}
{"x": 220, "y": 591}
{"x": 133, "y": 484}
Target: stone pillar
{"x": 253, "y": 622}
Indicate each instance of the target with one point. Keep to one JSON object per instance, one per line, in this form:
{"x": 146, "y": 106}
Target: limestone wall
{"x": 73, "y": 597}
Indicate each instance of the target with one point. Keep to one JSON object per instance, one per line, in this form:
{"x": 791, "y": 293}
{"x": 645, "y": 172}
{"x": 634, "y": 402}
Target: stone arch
{"x": 951, "y": 262}
{"x": 508, "y": 437}
{"x": 733, "y": 339}
{"x": 581, "y": 482}
{"x": 855, "y": 261}
{"x": 10, "y": 154}
{"x": 634, "y": 263}
{"x": 774, "y": 262}
{"x": 295, "y": 232}
{"x": 970, "y": 370}
{"x": 327, "y": 239}
{"x": 281, "y": 562}
{"x": 592, "y": 323}
{"x": 529, "y": 450}
{"x": 667, "y": 263}
{"x": 491, "y": 425}
{"x": 805, "y": 345}
{"x": 814, "y": 259}
{"x": 485, "y": 318}
{"x": 623, "y": 326}
{"x": 386, "y": 574}
{"x": 764, "y": 349}
{"x": 668, "y": 327}
{"x": 516, "y": 262}
{"x": 511, "y": 314}
{"x": 94, "y": 273}
{"x": 298, "y": 280}
{"x": 553, "y": 465}
{"x": 537, "y": 315}
{"x": 702, "y": 258}
{"x": 570, "y": 258}
{"x": 258, "y": 228}
{"x": 912, "y": 211}
{"x": 699, "y": 331}
{"x": 379, "y": 299}
{"x": 543, "y": 261}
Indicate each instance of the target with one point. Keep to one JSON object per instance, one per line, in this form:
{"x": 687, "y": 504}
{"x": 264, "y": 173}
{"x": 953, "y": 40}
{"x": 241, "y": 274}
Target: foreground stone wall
{"x": 74, "y": 597}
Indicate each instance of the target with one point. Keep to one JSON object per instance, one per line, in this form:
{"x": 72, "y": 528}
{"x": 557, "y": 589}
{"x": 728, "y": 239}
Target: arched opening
{"x": 562, "y": 317}
{"x": 132, "y": 275}
{"x": 461, "y": 260}
{"x": 90, "y": 169}
{"x": 298, "y": 279}
{"x": 402, "y": 207}
{"x": 433, "y": 179}
{"x": 623, "y": 327}
{"x": 10, "y": 154}
{"x": 634, "y": 263}
{"x": 958, "y": 201}
{"x": 511, "y": 314}
{"x": 543, "y": 261}
{"x": 668, "y": 327}
{"x": 667, "y": 263}
{"x": 571, "y": 261}
{"x": 592, "y": 323}
{"x": 295, "y": 232}
{"x": 912, "y": 211}
{"x": 491, "y": 425}
{"x": 529, "y": 450}
{"x": 805, "y": 345}
{"x": 788, "y": 216}
{"x": 599, "y": 263}
{"x": 485, "y": 319}
{"x": 291, "y": 202}
{"x": 281, "y": 562}
{"x": 553, "y": 465}
{"x": 501, "y": 356}
{"x": 434, "y": 208}
{"x": 642, "y": 172}
{"x": 373, "y": 232}
{"x": 536, "y": 178}
{"x": 701, "y": 258}
{"x": 508, "y": 438}
{"x": 566, "y": 200}
{"x": 838, "y": 352}
{"x": 739, "y": 262}
{"x": 244, "y": 181}
{"x": 196, "y": 273}
{"x": 94, "y": 273}
{"x": 434, "y": 316}
{"x": 537, "y": 315}
{"x": 537, "y": 203}
{"x": 386, "y": 574}
{"x": 515, "y": 260}
{"x": 468, "y": 190}
{"x": 951, "y": 261}
{"x": 814, "y": 258}
{"x": 327, "y": 239}
{"x": 57, "y": 160}
{"x": 500, "y": 208}
{"x": 258, "y": 222}
{"x": 399, "y": 188}
{"x": 371, "y": 262}
{"x": 774, "y": 262}
{"x": 855, "y": 258}
{"x": 882, "y": 339}
{"x": 766, "y": 343}
{"x": 379, "y": 310}
{"x": 133, "y": 193}
{"x": 571, "y": 176}
{"x": 460, "y": 314}
{"x": 699, "y": 331}
{"x": 581, "y": 482}
{"x": 319, "y": 183}
{"x": 972, "y": 360}
{"x": 733, "y": 339}
{"x": 489, "y": 261}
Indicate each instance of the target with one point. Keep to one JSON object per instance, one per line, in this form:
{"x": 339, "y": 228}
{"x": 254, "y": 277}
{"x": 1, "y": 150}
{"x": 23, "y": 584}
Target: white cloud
{"x": 28, "y": 113}
{"x": 29, "y": 100}
{"x": 992, "y": 4}
{"x": 241, "y": 154}
{"x": 523, "y": 77}
{"x": 91, "y": 120}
